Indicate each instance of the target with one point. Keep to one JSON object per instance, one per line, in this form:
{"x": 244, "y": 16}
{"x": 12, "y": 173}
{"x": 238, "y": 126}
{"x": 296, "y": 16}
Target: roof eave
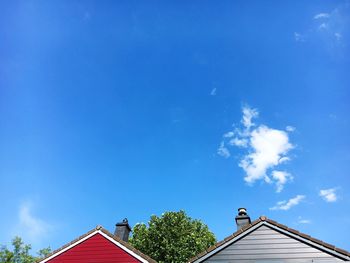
{"x": 337, "y": 252}
{"x": 99, "y": 229}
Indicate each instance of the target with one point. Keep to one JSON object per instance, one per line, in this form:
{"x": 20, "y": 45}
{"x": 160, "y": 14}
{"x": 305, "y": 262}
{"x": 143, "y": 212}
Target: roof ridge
{"x": 105, "y": 231}
{"x": 275, "y": 223}
{"x": 127, "y": 245}
{"x": 263, "y": 218}
{"x": 225, "y": 240}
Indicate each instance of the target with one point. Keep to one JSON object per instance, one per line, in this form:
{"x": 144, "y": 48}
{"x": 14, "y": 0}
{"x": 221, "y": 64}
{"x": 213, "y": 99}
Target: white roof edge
{"x": 132, "y": 253}
{"x": 251, "y": 229}
{"x": 69, "y": 247}
{"x": 228, "y": 242}
{"x": 96, "y": 231}
{"x": 309, "y": 242}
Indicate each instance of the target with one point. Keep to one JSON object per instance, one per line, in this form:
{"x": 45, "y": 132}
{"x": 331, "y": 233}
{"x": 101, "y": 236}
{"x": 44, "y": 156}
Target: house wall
{"x": 268, "y": 245}
{"x": 96, "y": 249}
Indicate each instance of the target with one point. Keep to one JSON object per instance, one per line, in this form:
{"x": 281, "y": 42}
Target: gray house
{"x": 265, "y": 240}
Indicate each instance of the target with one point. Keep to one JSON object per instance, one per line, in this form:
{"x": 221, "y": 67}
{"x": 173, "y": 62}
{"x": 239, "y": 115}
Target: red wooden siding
{"x": 96, "y": 249}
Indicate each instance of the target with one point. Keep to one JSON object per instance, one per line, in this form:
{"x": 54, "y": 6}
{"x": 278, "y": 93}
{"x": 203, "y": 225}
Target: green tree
{"x": 172, "y": 238}
{"x": 43, "y": 253}
{"x": 20, "y": 253}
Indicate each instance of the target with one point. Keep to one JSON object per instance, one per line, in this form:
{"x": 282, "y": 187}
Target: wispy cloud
{"x": 229, "y": 134}
{"x": 303, "y": 220}
{"x": 329, "y": 195}
{"x": 213, "y": 92}
{"x": 266, "y": 148}
{"x": 30, "y": 226}
{"x": 239, "y": 142}
{"x": 338, "y": 36}
{"x": 281, "y": 178}
{"x": 248, "y": 115}
{"x": 323, "y": 26}
{"x": 223, "y": 151}
{"x": 290, "y": 128}
{"x": 321, "y": 15}
{"x": 286, "y": 205}
{"x": 299, "y": 37}
{"x": 328, "y": 28}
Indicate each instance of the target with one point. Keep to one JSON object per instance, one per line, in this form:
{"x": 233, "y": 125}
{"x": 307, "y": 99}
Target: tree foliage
{"x": 172, "y": 238}
{"x": 20, "y": 253}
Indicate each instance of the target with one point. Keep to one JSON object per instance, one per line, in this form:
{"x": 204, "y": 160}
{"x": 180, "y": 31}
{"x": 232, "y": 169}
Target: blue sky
{"x": 113, "y": 109}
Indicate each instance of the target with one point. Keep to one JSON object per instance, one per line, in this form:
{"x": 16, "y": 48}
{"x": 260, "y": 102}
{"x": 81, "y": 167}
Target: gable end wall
{"x": 96, "y": 249}
{"x": 268, "y": 245}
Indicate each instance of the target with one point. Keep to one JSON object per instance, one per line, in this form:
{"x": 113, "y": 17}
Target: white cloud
{"x": 223, "y": 151}
{"x": 281, "y": 178}
{"x": 338, "y": 36}
{"x": 248, "y": 115}
{"x": 29, "y": 226}
{"x": 239, "y": 142}
{"x": 322, "y": 15}
{"x": 290, "y": 129}
{"x": 329, "y": 195}
{"x": 213, "y": 92}
{"x": 328, "y": 29}
{"x": 303, "y": 221}
{"x": 283, "y": 160}
{"x": 299, "y": 37}
{"x": 286, "y": 205}
{"x": 323, "y": 26}
{"x": 266, "y": 148}
{"x": 229, "y": 134}
{"x": 331, "y": 25}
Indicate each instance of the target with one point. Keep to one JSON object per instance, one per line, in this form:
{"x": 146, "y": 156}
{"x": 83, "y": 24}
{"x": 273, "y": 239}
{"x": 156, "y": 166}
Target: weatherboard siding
{"x": 268, "y": 245}
{"x": 96, "y": 249}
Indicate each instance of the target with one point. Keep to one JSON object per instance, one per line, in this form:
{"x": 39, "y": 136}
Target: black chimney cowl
{"x": 122, "y": 230}
{"x": 242, "y": 219}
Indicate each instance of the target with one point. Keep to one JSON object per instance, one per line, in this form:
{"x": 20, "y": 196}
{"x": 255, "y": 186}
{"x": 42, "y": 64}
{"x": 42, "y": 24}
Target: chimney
{"x": 242, "y": 219}
{"x": 122, "y": 230}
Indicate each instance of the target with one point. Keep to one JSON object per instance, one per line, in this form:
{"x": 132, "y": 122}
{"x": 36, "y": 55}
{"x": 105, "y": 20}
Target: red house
{"x": 100, "y": 246}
